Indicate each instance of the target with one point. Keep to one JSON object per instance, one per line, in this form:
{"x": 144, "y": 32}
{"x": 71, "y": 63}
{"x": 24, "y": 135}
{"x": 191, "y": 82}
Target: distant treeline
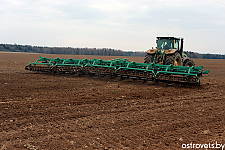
{"x": 204, "y": 56}
{"x": 91, "y": 51}
{"x": 68, "y": 50}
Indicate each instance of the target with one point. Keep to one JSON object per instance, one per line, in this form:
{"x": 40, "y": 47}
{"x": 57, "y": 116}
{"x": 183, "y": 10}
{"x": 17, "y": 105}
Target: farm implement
{"x": 121, "y": 68}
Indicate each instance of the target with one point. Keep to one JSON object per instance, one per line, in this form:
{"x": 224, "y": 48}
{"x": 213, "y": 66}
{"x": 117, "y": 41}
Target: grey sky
{"x": 120, "y": 24}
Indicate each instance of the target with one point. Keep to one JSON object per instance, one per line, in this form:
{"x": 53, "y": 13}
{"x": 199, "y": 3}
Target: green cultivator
{"x": 119, "y": 68}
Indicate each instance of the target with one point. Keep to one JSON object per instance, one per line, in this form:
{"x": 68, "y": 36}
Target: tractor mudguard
{"x": 151, "y": 51}
{"x": 171, "y": 51}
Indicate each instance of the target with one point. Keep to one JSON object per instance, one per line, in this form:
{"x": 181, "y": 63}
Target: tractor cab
{"x": 166, "y": 43}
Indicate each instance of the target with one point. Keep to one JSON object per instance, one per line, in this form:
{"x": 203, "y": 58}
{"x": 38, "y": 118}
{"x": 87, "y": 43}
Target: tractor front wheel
{"x": 188, "y": 63}
{"x": 175, "y": 59}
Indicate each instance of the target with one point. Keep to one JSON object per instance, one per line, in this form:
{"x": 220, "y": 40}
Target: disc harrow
{"x": 119, "y": 68}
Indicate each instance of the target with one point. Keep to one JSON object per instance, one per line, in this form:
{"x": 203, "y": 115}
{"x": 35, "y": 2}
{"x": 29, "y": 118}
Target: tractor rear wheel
{"x": 149, "y": 59}
{"x": 188, "y": 63}
{"x": 169, "y": 60}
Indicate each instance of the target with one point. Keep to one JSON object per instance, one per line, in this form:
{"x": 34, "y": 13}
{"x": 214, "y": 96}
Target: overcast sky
{"x": 119, "y": 24}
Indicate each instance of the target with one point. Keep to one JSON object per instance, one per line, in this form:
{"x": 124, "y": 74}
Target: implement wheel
{"x": 149, "y": 59}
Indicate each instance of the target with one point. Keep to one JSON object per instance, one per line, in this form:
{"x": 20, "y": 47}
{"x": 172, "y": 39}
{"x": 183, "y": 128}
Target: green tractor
{"x": 169, "y": 50}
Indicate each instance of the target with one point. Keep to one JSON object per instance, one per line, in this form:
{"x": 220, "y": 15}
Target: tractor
{"x": 169, "y": 50}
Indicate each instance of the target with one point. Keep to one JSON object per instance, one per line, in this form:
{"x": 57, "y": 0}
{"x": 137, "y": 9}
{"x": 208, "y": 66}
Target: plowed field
{"x": 45, "y": 111}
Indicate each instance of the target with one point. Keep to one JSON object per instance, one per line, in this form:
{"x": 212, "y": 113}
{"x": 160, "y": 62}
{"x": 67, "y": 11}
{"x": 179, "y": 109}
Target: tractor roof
{"x": 168, "y": 38}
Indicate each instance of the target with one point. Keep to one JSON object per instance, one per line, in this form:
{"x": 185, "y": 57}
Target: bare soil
{"x": 45, "y": 111}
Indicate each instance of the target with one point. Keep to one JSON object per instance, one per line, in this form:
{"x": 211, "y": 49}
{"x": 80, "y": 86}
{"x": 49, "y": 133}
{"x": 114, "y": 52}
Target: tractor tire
{"x": 175, "y": 59}
{"x": 149, "y": 59}
{"x": 169, "y": 60}
{"x": 188, "y": 63}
